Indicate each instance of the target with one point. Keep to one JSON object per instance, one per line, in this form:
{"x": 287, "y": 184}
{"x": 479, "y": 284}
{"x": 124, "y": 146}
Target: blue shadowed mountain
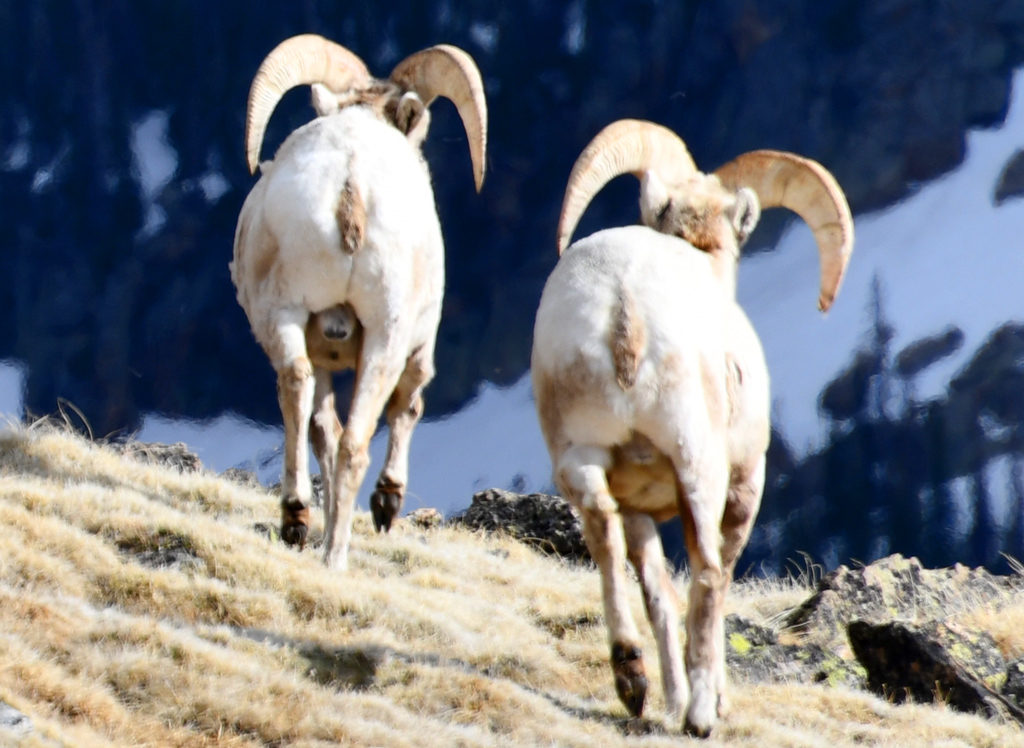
{"x": 122, "y": 173}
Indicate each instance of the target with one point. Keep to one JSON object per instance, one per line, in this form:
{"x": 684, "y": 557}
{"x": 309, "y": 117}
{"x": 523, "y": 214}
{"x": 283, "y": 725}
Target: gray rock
{"x": 347, "y": 667}
{"x": 175, "y": 455}
{"x": 755, "y": 655}
{"x": 1013, "y": 688}
{"x": 889, "y": 589}
{"x": 242, "y": 477}
{"x": 425, "y": 517}
{"x": 161, "y": 550}
{"x": 933, "y": 662}
{"x": 548, "y": 523}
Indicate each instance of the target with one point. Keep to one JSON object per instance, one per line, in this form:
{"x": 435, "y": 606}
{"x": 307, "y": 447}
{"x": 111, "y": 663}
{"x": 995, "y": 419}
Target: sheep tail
{"x": 629, "y": 340}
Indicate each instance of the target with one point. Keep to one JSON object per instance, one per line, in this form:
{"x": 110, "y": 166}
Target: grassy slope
{"x": 434, "y": 637}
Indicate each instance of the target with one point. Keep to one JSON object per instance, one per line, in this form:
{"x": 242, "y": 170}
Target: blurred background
{"x": 899, "y": 416}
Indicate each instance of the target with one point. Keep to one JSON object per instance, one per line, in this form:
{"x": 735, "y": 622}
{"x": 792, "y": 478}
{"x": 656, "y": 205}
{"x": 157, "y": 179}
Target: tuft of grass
{"x": 144, "y": 607}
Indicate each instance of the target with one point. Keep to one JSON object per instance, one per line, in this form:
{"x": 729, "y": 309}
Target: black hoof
{"x": 294, "y": 522}
{"x": 630, "y": 677}
{"x": 696, "y": 732}
{"x": 384, "y": 504}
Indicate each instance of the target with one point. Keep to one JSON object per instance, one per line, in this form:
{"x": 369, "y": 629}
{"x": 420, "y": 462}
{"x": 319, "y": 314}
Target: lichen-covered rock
{"x": 888, "y": 624}
{"x": 161, "y": 550}
{"x": 545, "y": 522}
{"x": 242, "y": 477}
{"x": 1013, "y": 687}
{"x": 755, "y": 655}
{"x": 893, "y": 588}
{"x": 176, "y": 455}
{"x": 933, "y": 662}
{"x": 267, "y": 530}
{"x": 425, "y": 517}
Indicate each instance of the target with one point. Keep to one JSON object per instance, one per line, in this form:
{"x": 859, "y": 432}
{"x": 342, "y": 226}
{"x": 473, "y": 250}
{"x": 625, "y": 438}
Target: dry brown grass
{"x": 434, "y": 637}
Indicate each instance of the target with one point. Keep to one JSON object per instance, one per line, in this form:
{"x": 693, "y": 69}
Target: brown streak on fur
{"x": 629, "y": 339}
{"x": 556, "y": 394}
{"x": 716, "y": 395}
{"x": 733, "y": 384}
{"x": 265, "y": 254}
{"x": 350, "y": 214}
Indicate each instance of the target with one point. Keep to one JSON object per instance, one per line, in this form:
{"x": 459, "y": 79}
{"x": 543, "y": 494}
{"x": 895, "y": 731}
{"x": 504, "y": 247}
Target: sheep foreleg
{"x": 741, "y": 507}
{"x": 376, "y": 377}
{"x": 702, "y": 490}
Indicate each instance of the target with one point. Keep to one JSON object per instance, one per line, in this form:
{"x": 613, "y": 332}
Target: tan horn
{"x": 627, "y": 146}
{"x": 786, "y": 180}
{"x": 444, "y": 70}
{"x": 298, "y": 60}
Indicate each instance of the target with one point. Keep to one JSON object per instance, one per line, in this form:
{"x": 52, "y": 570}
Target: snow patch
{"x": 154, "y": 162}
{"x": 946, "y": 255}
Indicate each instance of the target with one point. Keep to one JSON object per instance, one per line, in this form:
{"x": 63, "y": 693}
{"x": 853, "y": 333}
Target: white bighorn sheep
{"x": 652, "y": 389}
{"x": 339, "y": 263}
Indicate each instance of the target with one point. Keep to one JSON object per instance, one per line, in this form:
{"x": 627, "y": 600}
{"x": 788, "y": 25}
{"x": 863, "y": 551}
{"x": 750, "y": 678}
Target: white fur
{"x": 700, "y": 398}
{"x": 394, "y": 283}
{"x": 294, "y": 201}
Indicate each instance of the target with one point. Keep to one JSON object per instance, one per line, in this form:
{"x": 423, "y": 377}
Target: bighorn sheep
{"x": 339, "y": 263}
{"x": 652, "y": 389}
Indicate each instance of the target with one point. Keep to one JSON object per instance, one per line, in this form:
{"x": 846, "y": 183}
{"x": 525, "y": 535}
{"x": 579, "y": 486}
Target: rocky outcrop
{"x": 893, "y": 588}
{"x": 934, "y": 661}
{"x": 757, "y": 654}
{"x": 547, "y": 523}
{"x": 176, "y": 455}
{"x": 890, "y": 627}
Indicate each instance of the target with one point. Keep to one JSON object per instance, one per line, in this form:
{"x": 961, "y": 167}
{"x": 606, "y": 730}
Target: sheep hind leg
{"x": 295, "y": 396}
{"x": 404, "y": 411}
{"x": 581, "y": 477}
{"x": 702, "y": 492}
{"x": 742, "y": 503}
{"x": 648, "y": 558}
{"x": 324, "y": 433}
{"x": 377, "y": 376}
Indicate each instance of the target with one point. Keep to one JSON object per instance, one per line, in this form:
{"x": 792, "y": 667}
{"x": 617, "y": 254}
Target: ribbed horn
{"x": 627, "y": 146}
{"x": 298, "y": 60}
{"x": 447, "y": 71}
{"x": 809, "y": 190}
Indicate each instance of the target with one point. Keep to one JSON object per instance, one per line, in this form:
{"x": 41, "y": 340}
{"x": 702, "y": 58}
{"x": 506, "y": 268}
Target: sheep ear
{"x": 410, "y": 113}
{"x": 746, "y": 214}
{"x": 323, "y": 99}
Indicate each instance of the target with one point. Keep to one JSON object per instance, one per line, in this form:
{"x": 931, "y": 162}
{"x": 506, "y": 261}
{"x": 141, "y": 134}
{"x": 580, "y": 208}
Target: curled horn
{"x": 298, "y": 60}
{"x": 809, "y": 190}
{"x": 447, "y": 71}
{"x": 627, "y": 146}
